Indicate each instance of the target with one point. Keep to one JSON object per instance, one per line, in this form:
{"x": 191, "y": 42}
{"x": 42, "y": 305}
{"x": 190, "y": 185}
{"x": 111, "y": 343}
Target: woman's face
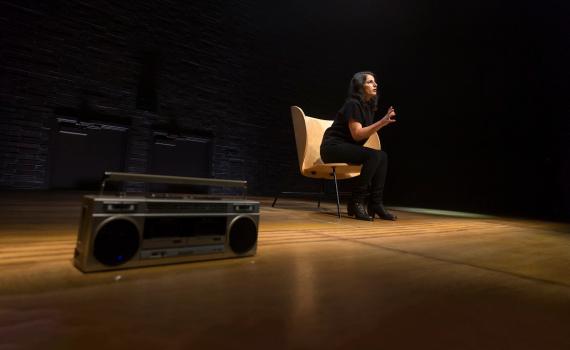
{"x": 370, "y": 87}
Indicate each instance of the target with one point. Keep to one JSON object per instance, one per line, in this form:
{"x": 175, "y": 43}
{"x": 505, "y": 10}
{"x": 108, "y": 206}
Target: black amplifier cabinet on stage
{"x": 116, "y": 232}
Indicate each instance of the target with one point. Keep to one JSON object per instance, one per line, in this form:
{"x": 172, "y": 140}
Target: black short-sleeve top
{"x": 339, "y": 131}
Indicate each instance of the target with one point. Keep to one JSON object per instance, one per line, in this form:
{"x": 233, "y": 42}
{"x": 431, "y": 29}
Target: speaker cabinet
{"x": 117, "y": 233}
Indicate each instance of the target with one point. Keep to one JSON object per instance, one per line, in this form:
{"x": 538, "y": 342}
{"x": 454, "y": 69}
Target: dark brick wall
{"x": 480, "y": 88}
{"x": 180, "y": 65}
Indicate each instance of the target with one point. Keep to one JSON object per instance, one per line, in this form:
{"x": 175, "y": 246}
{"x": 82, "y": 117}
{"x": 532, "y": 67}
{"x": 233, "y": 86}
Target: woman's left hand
{"x": 388, "y": 118}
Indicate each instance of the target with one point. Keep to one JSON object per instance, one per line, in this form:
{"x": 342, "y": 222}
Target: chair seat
{"x": 325, "y": 170}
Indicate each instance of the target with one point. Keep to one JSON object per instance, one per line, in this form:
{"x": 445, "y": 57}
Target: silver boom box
{"x": 117, "y": 232}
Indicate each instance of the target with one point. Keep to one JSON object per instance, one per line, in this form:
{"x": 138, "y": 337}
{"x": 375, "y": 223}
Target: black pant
{"x": 374, "y": 166}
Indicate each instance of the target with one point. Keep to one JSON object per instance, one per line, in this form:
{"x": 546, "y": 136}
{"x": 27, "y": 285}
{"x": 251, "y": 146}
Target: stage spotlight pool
{"x": 459, "y": 214}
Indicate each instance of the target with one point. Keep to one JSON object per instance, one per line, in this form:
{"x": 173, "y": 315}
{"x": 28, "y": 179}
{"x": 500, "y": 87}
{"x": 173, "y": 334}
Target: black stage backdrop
{"x": 481, "y": 90}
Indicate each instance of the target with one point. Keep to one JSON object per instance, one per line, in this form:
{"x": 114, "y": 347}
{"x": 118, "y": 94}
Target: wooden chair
{"x": 308, "y": 137}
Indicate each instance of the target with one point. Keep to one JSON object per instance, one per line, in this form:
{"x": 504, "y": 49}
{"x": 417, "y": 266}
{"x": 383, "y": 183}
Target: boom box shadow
{"x": 116, "y": 233}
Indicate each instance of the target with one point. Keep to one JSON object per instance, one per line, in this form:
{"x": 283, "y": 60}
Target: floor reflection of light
{"x": 460, "y": 214}
{"x": 304, "y": 289}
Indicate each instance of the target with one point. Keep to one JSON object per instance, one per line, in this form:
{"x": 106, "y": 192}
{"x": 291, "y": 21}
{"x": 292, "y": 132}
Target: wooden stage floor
{"x": 426, "y": 281}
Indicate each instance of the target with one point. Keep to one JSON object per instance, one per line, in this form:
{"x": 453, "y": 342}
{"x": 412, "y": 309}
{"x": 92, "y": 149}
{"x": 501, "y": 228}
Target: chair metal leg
{"x": 322, "y": 193}
{"x": 275, "y": 200}
{"x": 336, "y": 190}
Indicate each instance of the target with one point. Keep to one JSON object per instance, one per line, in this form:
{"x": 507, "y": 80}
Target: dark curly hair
{"x": 356, "y": 89}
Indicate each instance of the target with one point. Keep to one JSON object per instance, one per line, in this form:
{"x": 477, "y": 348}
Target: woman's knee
{"x": 383, "y": 156}
{"x": 376, "y": 155}
{"x": 373, "y": 157}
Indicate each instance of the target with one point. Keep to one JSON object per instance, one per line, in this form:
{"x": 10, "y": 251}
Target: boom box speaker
{"x": 116, "y": 233}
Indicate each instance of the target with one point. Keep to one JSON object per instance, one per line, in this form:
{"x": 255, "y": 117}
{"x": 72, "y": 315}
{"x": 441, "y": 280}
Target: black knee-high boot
{"x": 376, "y": 206}
{"x": 356, "y": 205}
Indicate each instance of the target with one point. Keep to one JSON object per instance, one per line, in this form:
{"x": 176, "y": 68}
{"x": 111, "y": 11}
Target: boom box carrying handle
{"x": 111, "y": 176}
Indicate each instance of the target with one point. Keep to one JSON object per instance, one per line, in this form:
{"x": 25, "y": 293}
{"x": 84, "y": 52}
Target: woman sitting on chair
{"x": 343, "y": 143}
